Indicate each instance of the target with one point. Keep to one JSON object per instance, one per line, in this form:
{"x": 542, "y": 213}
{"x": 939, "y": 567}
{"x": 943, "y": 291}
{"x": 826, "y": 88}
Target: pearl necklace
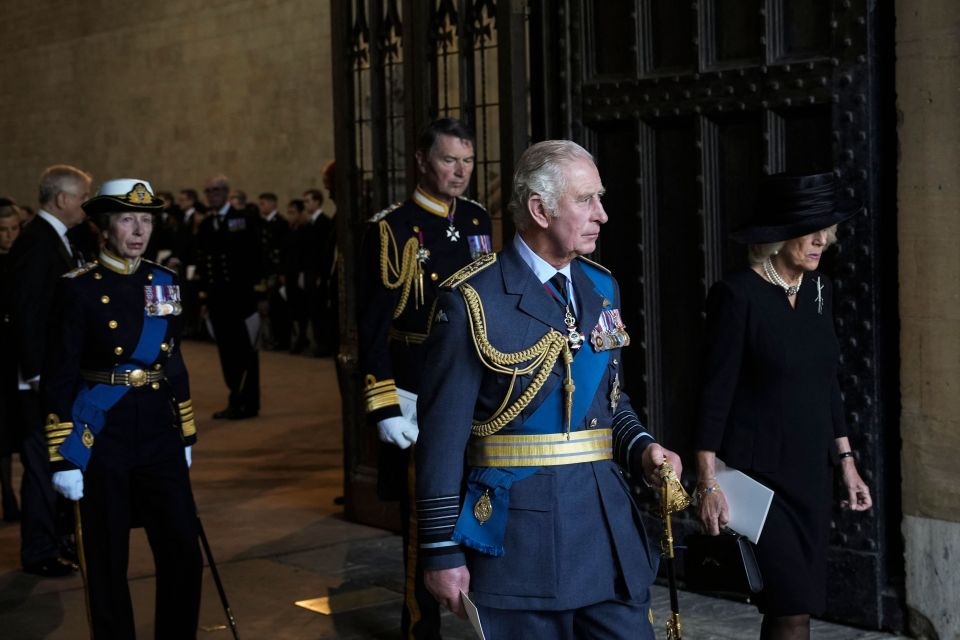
{"x": 774, "y": 277}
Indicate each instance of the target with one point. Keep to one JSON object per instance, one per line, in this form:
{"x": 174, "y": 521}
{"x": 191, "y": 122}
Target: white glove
{"x": 69, "y": 484}
{"x": 186, "y": 452}
{"x": 398, "y": 430}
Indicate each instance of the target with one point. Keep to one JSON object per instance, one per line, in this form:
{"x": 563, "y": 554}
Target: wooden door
{"x": 686, "y": 105}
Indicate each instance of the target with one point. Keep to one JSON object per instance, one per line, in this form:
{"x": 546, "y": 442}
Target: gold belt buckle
{"x": 137, "y": 378}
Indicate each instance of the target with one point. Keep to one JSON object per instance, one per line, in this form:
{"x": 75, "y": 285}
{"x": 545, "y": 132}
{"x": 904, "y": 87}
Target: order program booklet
{"x": 749, "y": 501}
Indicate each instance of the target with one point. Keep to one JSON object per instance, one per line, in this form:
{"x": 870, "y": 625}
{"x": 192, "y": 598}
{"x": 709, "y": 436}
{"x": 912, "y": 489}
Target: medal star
{"x": 453, "y": 234}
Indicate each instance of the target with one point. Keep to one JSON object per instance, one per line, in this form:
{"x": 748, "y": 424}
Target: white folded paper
{"x": 749, "y": 501}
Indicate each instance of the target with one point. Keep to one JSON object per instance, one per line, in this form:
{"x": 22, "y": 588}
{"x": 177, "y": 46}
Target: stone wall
{"x": 928, "y": 100}
{"x": 171, "y": 91}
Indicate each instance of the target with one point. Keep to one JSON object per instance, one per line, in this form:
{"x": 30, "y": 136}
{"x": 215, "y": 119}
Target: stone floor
{"x": 265, "y": 489}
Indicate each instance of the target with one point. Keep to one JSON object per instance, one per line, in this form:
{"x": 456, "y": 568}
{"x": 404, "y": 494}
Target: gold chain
{"x": 405, "y": 269}
{"x": 543, "y": 356}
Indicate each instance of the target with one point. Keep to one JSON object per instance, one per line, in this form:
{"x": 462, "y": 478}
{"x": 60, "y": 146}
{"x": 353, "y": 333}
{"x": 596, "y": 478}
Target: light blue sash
{"x": 587, "y": 371}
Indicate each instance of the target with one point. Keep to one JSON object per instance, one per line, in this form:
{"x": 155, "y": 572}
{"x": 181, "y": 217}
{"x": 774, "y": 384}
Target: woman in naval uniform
{"x": 119, "y": 417}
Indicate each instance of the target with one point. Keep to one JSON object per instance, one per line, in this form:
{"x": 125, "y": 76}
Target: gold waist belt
{"x": 134, "y": 378}
{"x": 541, "y": 450}
{"x": 406, "y": 337}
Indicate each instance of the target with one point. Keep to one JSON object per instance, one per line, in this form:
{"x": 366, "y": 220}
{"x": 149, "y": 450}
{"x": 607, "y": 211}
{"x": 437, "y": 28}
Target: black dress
{"x": 771, "y": 407}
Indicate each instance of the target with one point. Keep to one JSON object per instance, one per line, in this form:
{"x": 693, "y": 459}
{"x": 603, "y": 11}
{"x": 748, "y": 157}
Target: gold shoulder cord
{"x": 404, "y": 269}
{"x": 543, "y": 356}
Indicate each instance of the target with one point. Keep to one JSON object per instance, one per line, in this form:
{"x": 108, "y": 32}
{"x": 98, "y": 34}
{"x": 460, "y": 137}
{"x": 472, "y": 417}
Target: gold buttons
{"x": 104, "y": 299}
{"x": 113, "y": 324}
{"x": 98, "y": 276}
{"x": 165, "y": 347}
{"x": 118, "y": 351}
{"x": 476, "y": 222}
{"x": 154, "y": 385}
{"x": 149, "y": 276}
{"x": 157, "y": 367}
{"x": 416, "y": 229}
{"x": 434, "y": 277}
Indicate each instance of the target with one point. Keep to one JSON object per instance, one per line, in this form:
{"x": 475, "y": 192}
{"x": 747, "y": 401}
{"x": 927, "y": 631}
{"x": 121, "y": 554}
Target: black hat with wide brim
{"x": 790, "y": 206}
{"x": 122, "y": 195}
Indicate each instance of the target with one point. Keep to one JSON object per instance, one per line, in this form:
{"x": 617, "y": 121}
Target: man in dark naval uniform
{"x": 408, "y": 250}
{"x": 525, "y": 383}
{"x": 119, "y": 419}
{"x": 231, "y": 270}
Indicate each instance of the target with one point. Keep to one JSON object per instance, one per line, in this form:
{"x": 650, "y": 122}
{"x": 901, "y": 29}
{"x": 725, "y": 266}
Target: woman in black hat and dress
{"x": 120, "y": 420}
{"x": 771, "y": 404}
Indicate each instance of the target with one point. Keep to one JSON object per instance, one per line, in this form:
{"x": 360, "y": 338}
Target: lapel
{"x": 588, "y": 299}
{"x": 519, "y": 280}
{"x": 68, "y": 261}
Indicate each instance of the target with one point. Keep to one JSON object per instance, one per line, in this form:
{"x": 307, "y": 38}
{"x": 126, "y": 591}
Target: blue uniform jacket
{"x": 574, "y": 535}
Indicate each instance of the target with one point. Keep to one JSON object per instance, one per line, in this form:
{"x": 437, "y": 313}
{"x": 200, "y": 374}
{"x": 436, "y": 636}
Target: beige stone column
{"x": 928, "y": 100}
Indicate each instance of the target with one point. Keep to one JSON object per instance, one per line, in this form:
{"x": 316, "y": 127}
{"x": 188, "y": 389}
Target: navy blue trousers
{"x": 610, "y": 620}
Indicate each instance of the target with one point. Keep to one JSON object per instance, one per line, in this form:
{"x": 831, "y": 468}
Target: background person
{"x": 42, "y": 253}
{"x": 10, "y": 431}
{"x": 230, "y": 268}
{"x": 408, "y": 250}
{"x": 771, "y": 404}
{"x": 121, "y": 445}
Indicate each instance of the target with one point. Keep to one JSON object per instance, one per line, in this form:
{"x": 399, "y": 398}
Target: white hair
{"x": 540, "y": 172}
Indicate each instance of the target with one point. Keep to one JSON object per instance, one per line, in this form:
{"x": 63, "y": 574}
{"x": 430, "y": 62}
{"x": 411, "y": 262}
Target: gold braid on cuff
{"x": 377, "y": 395}
{"x": 188, "y": 424}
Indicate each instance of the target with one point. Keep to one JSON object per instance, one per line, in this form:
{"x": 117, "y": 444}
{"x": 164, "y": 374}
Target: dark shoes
{"x": 52, "y": 568}
{"x": 235, "y": 413}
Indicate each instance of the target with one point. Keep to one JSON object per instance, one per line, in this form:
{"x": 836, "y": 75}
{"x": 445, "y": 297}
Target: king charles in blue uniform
{"x": 524, "y": 386}
{"x": 120, "y": 420}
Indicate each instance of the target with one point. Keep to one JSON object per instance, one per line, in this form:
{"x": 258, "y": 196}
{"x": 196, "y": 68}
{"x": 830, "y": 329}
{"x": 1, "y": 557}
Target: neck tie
{"x": 559, "y": 282}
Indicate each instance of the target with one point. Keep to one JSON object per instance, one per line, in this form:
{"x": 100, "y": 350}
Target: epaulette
{"x": 79, "y": 271}
{"x": 473, "y": 202}
{"x": 469, "y": 271}
{"x": 596, "y": 264}
{"x": 160, "y": 266}
{"x": 380, "y": 215}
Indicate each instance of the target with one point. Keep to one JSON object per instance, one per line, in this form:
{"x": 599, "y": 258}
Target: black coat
{"x": 38, "y": 258}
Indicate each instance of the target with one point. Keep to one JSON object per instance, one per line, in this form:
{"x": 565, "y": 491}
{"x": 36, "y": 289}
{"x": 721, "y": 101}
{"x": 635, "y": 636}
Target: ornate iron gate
{"x": 685, "y": 105}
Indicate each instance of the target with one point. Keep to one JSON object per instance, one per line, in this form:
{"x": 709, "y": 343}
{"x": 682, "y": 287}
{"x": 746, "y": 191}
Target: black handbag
{"x": 724, "y": 564}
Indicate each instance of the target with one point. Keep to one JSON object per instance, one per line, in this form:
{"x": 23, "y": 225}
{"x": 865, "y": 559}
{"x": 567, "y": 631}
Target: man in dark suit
{"x": 524, "y": 378}
{"x": 275, "y": 230}
{"x": 321, "y": 239}
{"x": 231, "y": 270}
{"x": 41, "y": 255}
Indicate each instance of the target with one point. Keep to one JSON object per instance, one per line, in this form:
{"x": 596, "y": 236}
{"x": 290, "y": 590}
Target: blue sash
{"x": 587, "y": 371}
{"x": 92, "y": 403}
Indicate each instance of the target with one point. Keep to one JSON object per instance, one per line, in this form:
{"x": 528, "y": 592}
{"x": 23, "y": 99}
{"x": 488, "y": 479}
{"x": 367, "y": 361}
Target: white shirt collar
{"x": 273, "y": 214}
{"x": 58, "y": 226}
{"x": 54, "y": 222}
{"x": 223, "y": 210}
{"x": 316, "y": 214}
{"x": 189, "y": 214}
